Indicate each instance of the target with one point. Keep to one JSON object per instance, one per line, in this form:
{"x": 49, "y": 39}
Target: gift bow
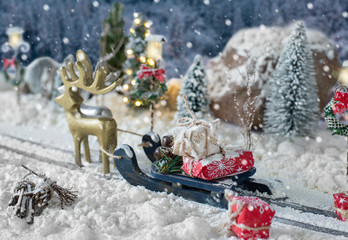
{"x": 9, "y": 62}
{"x": 342, "y": 104}
{"x": 145, "y": 71}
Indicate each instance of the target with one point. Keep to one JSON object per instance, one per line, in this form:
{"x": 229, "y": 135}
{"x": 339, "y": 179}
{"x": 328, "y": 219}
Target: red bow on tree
{"x": 145, "y": 71}
{"x": 342, "y": 104}
{"x": 9, "y": 62}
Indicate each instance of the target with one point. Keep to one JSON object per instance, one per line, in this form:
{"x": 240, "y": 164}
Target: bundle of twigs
{"x": 66, "y": 196}
{"x": 30, "y": 198}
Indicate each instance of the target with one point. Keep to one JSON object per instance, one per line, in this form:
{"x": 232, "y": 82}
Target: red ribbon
{"x": 342, "y": 103}
{"x": 9, "y": 63}
{"x": 145, "y": 71}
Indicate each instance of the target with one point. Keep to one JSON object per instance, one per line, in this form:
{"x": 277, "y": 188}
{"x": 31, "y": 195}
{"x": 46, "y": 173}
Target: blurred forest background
{"x": 57, "y": 28}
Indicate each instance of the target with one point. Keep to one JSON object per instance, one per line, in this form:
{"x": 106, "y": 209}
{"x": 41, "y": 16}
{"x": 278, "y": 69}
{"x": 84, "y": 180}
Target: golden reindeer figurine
{"x": 80, "y": 124}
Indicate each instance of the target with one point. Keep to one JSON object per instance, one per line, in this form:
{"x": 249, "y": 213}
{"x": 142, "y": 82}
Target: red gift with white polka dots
{"x": 341, "y": 205}
{"x": 216, "y": 166}
{"x": 249, "y": 217}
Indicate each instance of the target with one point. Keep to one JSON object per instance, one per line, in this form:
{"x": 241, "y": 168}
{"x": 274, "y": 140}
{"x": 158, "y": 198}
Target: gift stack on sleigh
{"x": 194, "y": 165}
{"x": 199, "y": 154}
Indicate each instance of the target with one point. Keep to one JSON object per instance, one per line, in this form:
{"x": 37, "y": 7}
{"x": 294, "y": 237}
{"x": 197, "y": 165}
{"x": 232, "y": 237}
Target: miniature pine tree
{"x": 292, "y": 105}
{"x": 113, "y": 40}
{"x": 195, "y": 87}
{"x": 135, "y": 50}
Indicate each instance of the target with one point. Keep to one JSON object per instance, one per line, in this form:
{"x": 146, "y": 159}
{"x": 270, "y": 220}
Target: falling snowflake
{"x": 318, "y": 139}
{"x": 206, "y": 2}
{"x": 156, "y": 1}
{"x": 228, "y": 22}
{"x": 46, "y": 7}
{"x": 189, "y": 45}
{"x": 216, "y": 106}
{"x": 345, "y": 14}
{"x": 24, "y": 57}
{"x": 326, "y": 68}
{"x": 310, "y": 5}
{"x": 66, "y": 40}
{"x": 95, "y": 4}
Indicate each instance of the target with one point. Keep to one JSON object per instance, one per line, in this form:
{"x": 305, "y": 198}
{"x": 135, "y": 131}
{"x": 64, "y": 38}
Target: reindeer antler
{"x": 84, "y": 80}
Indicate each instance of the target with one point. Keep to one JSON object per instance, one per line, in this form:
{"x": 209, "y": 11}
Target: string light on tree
{"x": 125, "y": 87}
{"x": 151, "y": 62}
{"x": 133, "y": 82}
{"x": 129, "y": 71}
{"x": 129, "y": 51}
{"x": 148, "y": 24}
{"x": 137, "y": 21}
{"x": 142, "y": 59}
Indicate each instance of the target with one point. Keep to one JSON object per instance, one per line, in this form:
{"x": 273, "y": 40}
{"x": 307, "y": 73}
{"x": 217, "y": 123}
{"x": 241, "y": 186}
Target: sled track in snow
{"x": 283, "y": 204}
{"x": 37, "y": 157}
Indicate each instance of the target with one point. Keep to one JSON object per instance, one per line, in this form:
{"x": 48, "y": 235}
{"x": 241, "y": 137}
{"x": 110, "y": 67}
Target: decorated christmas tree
{"x": 135, "y": 50}
{"x": 150, "y": 84}
{"x": 113, "y": 40}
{"x": 292, "y": 106}
{"x": 195, "y": 87}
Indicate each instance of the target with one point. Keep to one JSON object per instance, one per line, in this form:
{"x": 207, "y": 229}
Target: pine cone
{"x": 168, "y": 141}
{"x": 163, "y": 150}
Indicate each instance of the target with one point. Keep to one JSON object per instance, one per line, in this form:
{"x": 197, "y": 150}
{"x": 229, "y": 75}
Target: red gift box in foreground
{"x": 217, "y": 166}
{"x": 341, "y": 205}
{"x": 250, "y": 217}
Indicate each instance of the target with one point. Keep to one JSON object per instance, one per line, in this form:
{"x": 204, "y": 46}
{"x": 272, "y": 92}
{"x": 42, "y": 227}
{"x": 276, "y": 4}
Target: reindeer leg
{"x": 77, "y": 141}
{"x": 86, "y": 149}
{"x": 113, "y": 145}
{"x": 105, "y": 158}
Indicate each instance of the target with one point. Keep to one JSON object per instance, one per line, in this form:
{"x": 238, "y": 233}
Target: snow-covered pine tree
{"x": 292, "y": 104}
{"x": 195, "y": 87}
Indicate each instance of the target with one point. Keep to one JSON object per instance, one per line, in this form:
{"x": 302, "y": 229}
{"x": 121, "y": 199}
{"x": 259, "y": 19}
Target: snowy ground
{"x": 310, "y": 171}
